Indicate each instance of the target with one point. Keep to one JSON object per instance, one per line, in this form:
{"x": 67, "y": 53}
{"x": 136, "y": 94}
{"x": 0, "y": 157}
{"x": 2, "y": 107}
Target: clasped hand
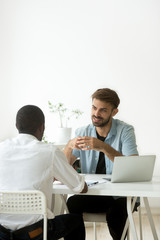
{"x": 88, "y": 143}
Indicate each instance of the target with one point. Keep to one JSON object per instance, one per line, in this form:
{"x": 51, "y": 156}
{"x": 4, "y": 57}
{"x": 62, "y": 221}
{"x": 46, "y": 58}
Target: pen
{"x": 90, "y": 184}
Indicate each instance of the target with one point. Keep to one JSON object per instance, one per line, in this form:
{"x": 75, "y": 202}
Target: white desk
{"x": 129, "y": 190}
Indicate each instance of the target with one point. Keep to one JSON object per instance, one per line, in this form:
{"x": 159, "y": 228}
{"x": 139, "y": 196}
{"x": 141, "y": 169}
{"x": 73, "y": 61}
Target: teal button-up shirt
{"x": 121, "y": 137}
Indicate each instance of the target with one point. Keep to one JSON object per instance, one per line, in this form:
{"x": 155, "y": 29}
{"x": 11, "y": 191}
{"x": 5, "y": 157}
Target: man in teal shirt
{"x": 97, "y": 144}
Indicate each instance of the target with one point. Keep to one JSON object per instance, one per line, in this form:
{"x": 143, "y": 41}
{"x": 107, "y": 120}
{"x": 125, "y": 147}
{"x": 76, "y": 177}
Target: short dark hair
{"x": 107, "y": 95}
{"x": 29, "y": 118}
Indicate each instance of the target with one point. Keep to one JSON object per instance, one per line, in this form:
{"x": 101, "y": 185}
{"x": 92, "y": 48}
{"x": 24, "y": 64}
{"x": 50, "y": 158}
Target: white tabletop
{"x": 141, "y": 189}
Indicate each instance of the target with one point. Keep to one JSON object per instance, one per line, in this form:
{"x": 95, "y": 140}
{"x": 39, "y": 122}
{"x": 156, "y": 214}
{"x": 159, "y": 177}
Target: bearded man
{"x": 97, "y": 145}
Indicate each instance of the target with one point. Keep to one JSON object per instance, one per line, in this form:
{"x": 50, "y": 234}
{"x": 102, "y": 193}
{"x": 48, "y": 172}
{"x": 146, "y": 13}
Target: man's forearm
{"x": 110, "y": 152}
{"x": 68, "y": 153}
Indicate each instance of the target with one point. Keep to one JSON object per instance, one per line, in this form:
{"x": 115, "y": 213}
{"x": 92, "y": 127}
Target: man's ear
{"x": 41, "y": 128}
{"x": 115, "y": 111}
{"x": 39, "y": 132}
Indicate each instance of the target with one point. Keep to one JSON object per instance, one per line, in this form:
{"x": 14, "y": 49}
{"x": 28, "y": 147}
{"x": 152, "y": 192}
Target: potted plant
{"x": 65, "y": 114}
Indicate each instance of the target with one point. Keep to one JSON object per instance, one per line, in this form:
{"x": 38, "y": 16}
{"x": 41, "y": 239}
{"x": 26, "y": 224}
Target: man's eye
{"x": 103, "y": 110}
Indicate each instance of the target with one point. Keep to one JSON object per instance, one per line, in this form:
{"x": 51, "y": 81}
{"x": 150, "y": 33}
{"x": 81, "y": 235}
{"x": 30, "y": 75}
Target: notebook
{"x": 133, "y": 169}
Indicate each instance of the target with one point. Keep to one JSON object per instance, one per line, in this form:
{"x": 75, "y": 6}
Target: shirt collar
{"x": 27, "y": 136}
{"x": 112, "y": 131}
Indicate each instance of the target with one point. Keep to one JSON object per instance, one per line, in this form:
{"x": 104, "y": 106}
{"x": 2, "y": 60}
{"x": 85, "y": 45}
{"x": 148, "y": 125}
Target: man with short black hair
{"x": 97, "y": 145}
{"x": 26, "y": 163}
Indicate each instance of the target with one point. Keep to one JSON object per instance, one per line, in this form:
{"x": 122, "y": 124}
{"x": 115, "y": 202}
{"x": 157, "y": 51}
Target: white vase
{"x": 63, "y": 135}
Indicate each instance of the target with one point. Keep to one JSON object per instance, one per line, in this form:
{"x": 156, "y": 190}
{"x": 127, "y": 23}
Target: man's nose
{"x": 97, "y": 113}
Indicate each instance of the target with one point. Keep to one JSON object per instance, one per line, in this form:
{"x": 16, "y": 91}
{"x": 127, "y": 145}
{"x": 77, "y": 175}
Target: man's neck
{"x": 103, "y": 131}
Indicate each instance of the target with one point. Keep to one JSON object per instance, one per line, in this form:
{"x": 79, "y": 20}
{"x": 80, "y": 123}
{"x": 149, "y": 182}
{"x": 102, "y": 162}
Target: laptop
{"x": 133, "y": 169}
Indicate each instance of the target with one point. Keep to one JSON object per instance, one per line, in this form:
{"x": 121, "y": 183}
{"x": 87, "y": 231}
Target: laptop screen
{"x": 133, "y": 168}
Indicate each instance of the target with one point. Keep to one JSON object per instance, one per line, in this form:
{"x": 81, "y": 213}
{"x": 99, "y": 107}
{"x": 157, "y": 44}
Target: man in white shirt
{"x": 26, "y": 163}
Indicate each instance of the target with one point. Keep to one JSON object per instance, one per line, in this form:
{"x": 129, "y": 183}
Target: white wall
{"x": 63, "y": 50}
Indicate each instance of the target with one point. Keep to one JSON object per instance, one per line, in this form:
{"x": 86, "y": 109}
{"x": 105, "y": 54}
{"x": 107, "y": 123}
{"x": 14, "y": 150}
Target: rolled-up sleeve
{"x": 65, "y": 173}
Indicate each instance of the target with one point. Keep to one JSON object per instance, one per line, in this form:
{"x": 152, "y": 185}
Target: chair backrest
{"x": 25, "y": 202}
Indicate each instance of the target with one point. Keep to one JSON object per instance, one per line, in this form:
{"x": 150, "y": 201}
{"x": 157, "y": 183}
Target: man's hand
{"x": 88, "y": 143}
{"x": 85, "y": 189}
{"x": 92, "y": 143}
{"x": 73, "y": 143}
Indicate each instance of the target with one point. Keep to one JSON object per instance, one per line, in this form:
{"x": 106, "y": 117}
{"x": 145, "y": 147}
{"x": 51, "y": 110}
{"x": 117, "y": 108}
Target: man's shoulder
{"x": 121, "y": 124}
{"x": 46, "y": 146}
{"x": 6, "y": 143}
{"x": 122, "y": 128}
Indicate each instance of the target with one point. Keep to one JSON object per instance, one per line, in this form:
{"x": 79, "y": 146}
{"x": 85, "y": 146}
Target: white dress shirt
{"x": 27, "y": 163}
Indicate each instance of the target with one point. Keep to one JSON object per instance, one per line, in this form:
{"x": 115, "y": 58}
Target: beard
{"x": 102, "y": 123}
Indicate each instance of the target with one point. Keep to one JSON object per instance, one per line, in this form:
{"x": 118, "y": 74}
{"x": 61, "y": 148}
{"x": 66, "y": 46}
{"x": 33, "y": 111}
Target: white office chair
{"x": 94, "y": 218}
{"x": 101, "y": 217}
{"x": 25, "y": 202}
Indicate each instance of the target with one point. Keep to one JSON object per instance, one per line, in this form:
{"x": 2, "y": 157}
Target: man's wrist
{"x": 70, "y": 145}
{"x": 104, "y": 147}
